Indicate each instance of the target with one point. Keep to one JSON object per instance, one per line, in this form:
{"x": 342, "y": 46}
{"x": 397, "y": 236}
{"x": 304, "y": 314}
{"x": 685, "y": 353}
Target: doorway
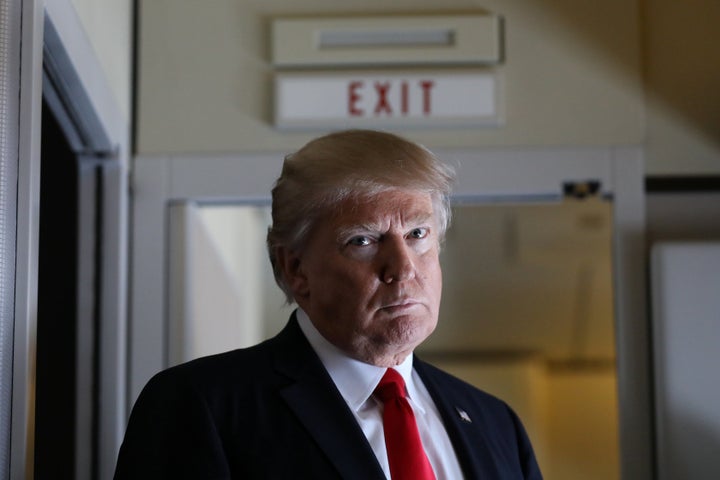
{"x": 56, "y": 384}
{"x": 69, "y": 306}
{"x": 527, "y": 311}
{"x": 171, "y": 189}
{"x": 76, "y": 179}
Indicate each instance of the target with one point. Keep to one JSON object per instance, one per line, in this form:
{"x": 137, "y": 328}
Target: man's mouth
{"x": 400, "y": 304}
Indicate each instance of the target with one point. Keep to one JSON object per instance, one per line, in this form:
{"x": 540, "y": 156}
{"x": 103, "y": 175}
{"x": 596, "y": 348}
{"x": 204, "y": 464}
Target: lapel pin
{"x": 463, "y": 415}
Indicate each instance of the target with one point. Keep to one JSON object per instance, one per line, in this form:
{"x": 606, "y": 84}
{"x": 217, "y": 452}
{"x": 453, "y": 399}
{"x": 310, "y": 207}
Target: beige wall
{"x": 570, "y": 414}
{"x": 108, "y": 25}
{"x": 576, "y": 73}
{"x": 582, "y": 418}
{"x": 683, "y": 86}
{"x": 205, "y": 76}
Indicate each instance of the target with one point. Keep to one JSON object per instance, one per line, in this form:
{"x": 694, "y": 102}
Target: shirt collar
{"x": 355, "y": 380}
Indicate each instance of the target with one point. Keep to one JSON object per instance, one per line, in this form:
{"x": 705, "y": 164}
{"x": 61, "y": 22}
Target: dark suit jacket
{"x": 272, "y": 411}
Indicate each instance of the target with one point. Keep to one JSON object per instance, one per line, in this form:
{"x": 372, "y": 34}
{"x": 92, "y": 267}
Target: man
{"x": 358, "y": 218}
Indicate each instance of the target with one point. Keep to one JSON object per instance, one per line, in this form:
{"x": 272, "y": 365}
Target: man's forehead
{"x": 404, "y": 207}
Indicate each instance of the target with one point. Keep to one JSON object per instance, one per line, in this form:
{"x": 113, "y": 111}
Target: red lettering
{"x": 382, "y": 101}
{"x": 404, "y": 97}
{"x": 353, "y": 98}
{"x": 426, "y": 85}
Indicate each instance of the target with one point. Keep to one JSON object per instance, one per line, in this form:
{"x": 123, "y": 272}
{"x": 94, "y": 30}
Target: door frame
{"x": 53, "y": 37}
{"x": 488, "y": 174}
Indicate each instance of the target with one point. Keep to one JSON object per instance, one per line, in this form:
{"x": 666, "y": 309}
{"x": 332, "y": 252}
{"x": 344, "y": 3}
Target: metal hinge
{"x": 581, "y": 189}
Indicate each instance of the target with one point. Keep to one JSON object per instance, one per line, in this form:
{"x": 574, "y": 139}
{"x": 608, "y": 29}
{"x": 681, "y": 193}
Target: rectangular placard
{"x": 439, "y": 99}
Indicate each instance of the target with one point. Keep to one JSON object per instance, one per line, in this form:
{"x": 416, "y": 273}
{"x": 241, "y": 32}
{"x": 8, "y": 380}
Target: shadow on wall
{"x": 694, "y": 453}
{"x": 678, "y": 43}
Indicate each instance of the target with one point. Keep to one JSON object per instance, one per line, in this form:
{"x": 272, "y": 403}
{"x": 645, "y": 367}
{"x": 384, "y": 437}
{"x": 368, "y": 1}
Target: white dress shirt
{"x": 356, "y": 382}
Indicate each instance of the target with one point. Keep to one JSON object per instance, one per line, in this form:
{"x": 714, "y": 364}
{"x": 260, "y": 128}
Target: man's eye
{"x": 419, "y": 233}
{"x": 359, "y": 241}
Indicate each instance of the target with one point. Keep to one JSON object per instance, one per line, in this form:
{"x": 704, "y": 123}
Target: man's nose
{"x": 398, "y": 263}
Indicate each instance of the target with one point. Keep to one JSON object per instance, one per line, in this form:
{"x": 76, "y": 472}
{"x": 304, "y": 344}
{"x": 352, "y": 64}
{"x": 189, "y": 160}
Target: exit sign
{"x": 317, "y": 100}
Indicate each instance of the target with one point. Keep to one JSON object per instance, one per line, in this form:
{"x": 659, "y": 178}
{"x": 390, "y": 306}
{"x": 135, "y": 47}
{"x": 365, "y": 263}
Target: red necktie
{"x": 404, "y": 448}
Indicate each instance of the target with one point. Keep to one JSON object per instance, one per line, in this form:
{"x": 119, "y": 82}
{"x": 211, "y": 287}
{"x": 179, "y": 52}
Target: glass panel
{"x": 527, "y": 315}
{"x": 232, "y": 258}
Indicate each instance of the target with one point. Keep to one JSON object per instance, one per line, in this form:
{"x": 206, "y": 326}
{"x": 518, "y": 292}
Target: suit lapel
{"x": 467, "y": 437}
{"x": 315, "y": 400}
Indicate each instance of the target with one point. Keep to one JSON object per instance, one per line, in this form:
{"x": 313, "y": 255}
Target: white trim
{"x": 181, "y": 216}
{"x": 147, "y": 349}
{"x": 26, "y": 267}
{"x": 113, "y": 342}
{"x": 516, "y": 172}
{"x": 94, "y": 84}
{"x": 632, "y": 322}
{"x": 89, "y": 71}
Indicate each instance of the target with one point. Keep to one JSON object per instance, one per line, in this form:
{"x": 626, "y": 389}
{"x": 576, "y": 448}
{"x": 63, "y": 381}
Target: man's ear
{"x": 293, "y": 274}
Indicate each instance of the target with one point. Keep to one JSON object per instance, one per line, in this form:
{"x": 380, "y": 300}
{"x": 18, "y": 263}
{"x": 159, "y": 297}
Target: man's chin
{"x": 405, "y": 332}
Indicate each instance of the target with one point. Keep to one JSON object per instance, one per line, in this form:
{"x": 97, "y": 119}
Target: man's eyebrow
{"x": 345, "y": 231}
{"x": 379, "y": 227}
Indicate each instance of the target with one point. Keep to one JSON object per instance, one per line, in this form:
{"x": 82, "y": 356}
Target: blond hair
{"x": 349, "y": 164}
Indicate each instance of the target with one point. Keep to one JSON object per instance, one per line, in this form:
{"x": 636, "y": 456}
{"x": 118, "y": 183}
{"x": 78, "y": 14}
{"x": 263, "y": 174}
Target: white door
{"x": 686, "y": 330}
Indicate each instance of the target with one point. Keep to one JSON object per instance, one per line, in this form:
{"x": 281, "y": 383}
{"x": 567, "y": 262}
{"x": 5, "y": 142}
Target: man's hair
{"x": 349, "y": 164}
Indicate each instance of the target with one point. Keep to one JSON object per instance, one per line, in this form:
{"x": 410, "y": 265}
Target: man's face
{"x": 369, "y": 277}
